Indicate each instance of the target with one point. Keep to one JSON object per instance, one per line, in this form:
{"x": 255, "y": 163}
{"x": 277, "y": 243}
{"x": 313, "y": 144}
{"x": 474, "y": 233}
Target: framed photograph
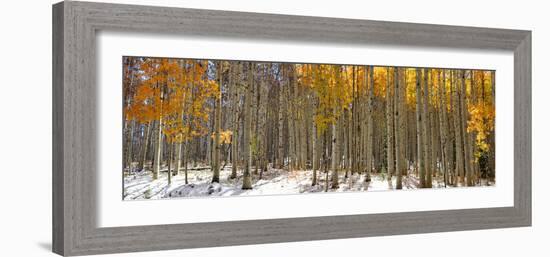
{"x": 183, "y": 128}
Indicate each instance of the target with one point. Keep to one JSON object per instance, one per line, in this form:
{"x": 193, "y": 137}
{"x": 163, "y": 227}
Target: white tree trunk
{"x": 419, "y": 131}
{"x": 217, "y": 128}
{"x": 390, "y": 128}
{"x": 370, "y": 126}
{"x": 247, "y": 181}
{"x": 426, "y": 133}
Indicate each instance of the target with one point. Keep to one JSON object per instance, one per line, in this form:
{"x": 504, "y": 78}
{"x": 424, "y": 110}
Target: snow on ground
{"x": 140, "y": 185}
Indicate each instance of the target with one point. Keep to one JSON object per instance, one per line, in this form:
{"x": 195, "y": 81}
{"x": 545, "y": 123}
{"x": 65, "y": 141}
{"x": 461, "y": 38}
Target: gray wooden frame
{"x": 74, "y": 128}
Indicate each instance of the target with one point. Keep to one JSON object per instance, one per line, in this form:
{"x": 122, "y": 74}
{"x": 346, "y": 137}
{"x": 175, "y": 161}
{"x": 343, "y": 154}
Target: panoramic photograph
{"x": 221, "y": 128}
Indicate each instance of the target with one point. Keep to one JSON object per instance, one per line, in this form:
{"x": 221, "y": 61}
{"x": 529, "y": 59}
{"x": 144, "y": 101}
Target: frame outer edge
{"x": 73, "y": 233}
{"x": 58, "y": 207}
{"x": 522, "y": 130}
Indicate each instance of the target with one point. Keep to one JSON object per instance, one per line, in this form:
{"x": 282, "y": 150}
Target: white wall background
{"x": 25, "y": 129}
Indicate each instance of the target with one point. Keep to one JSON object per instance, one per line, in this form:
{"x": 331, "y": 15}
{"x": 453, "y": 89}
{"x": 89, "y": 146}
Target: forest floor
{"x": 140, "y": 185}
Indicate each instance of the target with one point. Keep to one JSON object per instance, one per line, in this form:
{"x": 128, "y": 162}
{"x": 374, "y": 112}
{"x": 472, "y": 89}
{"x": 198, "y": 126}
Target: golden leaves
{"x": 482, "y": 120}
{"x": 181, "y": 92}
{"x": 176, "y": 91}
{"x": 333, "y": 91}
{"x": 225, "y": 136}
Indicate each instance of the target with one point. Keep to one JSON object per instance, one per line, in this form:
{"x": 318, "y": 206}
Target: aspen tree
{"x": 426, "y": 130}
{"x": 369, "y": 120}
{"x": 389, "y": 128}
{"x": 400, "y": 130}
{"x": 235, "y": 120}
{"x": 247, "y": 181}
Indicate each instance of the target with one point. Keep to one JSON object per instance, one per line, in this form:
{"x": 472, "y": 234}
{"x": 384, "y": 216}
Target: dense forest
{"x": 216, "y": 127}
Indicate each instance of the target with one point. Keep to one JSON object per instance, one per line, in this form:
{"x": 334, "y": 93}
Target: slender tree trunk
{"x": 235, "y": 122}
{"x": 390, "y": 129}
{"x": 158, "y": 144}
{"x": 420, "y": 131}
{"x": 459, "y": 150}
{"x": 466, "y": 135}
{"x": 472, "y": 101}
{"x": 130, "y": 147}
{"x": 128, "y": 124}
{"x": 427, "y": 131}
{"x": 354, "y": 125}
{"x": 451, "y": 147}
{"x": 145, "y": 145}
{"x": 303, "y": 125}
{"x": 399, "y": 117}
{"x": 217, "y": 127}
{"x": 280, "y": 130}
{"x": 334, "y": 155}
{"x": 247, "y": 183}
{"x": 262, "y": 133}
{"x": 179, "y": 148}
{"x": 448, "y": 128}
{"x": 434, "y": 129}
{"x": 326, "y": 159}
{"x": 349, "y": 157}
{"x": 185, "y": 158}
{"x": 170, "y": 155}
{"x": 434, "y": 121}
{"x": 370, "y": 120}
{"x": 150, "y": 154}
{"x": 291, "y": 121}
{"x": 315, "y": 160}
{"x": 443, "y": 125}
{"x": 492, "y": 132}
{"x": 257, "y": 129}
{"x": 209, "y": 141}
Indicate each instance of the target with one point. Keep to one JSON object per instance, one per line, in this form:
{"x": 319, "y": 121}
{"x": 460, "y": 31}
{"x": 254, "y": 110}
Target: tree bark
{"x": 262, "y": 133}
{"x": 390, "y": 128}
{"x": 420, "y": 131}
{"x": 179, "y": 148}
{"x": 326, "y": 158}
{"x": 247, "y": 183}
{"x": 443, "y": 125}
{"x": 466, "y": 135}
{"x": 158, "y": 143}
{"x": 334, "y": 155}
{"x": 145, "y": 145}
{"x": 235, "y": 122}
{"x": 217, "y": 127}
{"x": 316, "y": 146}
{"x": 170, "y": 155}
{"x": 492, "y": 132}
{"x": 426, "y": 133}
{"x": 280, "y": 129}
{"x": 459, "y": 149}
{"x": 399, "y": 117}
{"x": 370, "y": 120}
{"x": 291, "y": 120}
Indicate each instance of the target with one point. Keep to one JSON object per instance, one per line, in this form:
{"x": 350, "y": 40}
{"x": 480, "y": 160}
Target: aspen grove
{"x": 220, "y": 128}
